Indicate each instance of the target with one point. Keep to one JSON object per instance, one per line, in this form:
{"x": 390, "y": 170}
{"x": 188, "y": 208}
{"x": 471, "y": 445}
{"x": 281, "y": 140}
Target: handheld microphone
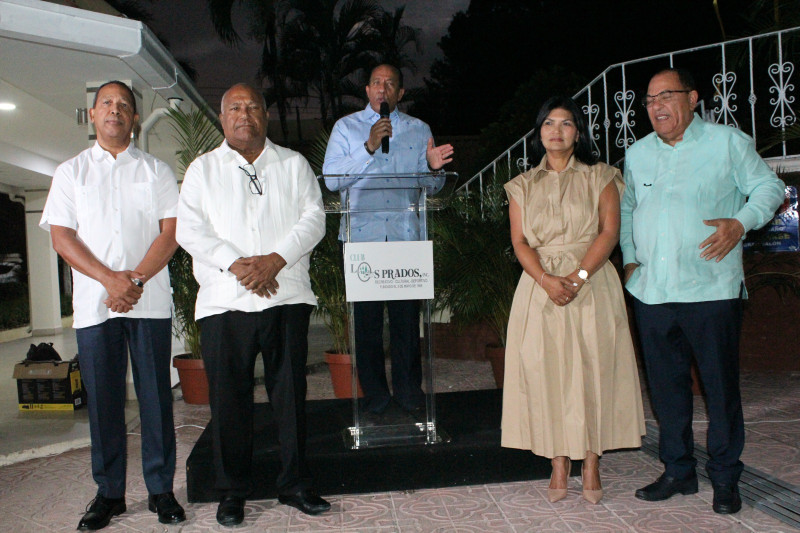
{"x": 385, "y": 140}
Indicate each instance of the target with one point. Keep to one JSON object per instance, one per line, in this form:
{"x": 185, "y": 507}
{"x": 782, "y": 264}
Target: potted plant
{"x": 196, "y": 135}
{"x": 327, "y": 282}
{"x": 476, "y": 269}
{"x": 191, "y": 370}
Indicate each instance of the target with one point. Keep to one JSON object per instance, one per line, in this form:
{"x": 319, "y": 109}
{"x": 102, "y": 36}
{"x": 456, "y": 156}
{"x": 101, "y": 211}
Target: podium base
{"x": 471, "y": 456}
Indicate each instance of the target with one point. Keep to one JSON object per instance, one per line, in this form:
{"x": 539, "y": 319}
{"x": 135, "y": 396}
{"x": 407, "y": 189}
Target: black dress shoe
{"x": 230, "y": 511}
{"x": 727, "y": 499}
{"x": 168, "y": 509}
{"x": 306, "y": 500}
{"x": 100, "y": 511}
{"x": 666, "y": 487}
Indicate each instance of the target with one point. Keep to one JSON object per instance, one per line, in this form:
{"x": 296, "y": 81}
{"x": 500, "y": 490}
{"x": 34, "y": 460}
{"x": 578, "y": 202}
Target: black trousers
{"x": 230, "y": 342}
{"x": 405, "y": 353}
{"x": 103, "y": 356}
{"x": 670, "y": 334}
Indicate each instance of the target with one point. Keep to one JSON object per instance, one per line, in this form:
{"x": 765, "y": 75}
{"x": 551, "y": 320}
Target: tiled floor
{"x": 49, "y": 493}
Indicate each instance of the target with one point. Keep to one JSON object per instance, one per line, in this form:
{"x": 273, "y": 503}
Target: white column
{"x": 42, "y": 269}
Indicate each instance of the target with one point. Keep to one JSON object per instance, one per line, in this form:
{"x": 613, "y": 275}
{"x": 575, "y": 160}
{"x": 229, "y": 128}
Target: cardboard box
{"x": 49, "y": 386}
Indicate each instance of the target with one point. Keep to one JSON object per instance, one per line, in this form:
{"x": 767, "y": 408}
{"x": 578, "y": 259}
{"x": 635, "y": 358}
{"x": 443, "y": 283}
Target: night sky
{"x": 186, "y": 26}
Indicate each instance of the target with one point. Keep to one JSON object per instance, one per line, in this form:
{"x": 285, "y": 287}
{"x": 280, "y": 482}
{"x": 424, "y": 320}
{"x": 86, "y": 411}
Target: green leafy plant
{"x": 184, "y": 297}
{"x": 327, "y": 276}
{"x": 476, "y": 269}
{"x": 196, "y": 135}
{"x": 327, "y": 281}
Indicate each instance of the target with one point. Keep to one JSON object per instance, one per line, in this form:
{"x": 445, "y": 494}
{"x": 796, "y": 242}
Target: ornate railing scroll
{"x": 758, "y": 70}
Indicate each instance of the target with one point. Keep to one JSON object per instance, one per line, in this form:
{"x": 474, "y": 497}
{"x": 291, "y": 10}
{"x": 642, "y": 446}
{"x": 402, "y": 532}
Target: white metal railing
{"x": 757, "y": 68}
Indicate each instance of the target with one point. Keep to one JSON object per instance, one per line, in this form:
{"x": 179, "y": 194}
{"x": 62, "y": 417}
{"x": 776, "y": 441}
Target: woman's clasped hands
{"x": 561, "y": 289}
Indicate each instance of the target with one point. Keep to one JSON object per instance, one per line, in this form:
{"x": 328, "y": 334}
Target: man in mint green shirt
{"x": 693, "y": 189}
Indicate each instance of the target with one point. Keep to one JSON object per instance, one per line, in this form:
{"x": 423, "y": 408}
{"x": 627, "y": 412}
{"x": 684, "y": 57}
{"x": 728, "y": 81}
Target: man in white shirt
{"x": 111, "y": 215}
{"x": 250, "y": 212}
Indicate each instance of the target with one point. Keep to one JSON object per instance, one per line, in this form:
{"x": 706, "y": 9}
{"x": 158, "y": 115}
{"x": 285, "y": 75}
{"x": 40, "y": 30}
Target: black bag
{"x": 43, "y": 352}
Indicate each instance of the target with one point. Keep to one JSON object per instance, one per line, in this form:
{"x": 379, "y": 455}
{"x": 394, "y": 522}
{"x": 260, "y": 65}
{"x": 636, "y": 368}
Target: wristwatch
{"x": 583, "y": 274}
{"x": 366, "y": 147}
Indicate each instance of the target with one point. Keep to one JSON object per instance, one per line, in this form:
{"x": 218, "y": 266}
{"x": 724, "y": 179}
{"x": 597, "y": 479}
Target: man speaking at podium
{"x": 382, "y": 140}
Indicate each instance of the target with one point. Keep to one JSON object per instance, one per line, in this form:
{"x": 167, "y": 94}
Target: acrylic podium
{"x": 398, "y": 268}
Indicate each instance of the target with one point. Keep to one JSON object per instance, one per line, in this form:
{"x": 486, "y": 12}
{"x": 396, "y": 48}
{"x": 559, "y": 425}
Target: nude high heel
{"x": 591, "y": 495}
{"x": 554, "y": 495}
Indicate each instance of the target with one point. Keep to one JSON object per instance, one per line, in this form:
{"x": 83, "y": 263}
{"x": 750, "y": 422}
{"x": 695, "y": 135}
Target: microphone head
{"x": 384, "y": 109}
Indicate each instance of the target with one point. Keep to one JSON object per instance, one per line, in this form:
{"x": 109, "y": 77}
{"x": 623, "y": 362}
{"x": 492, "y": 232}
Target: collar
{"x": 694, "y": 131}
{"x": 370, "y": 115}
{"x": 573, "y": 164}
{"x": 99, "y": 153}
{"x": 226, "y": 151}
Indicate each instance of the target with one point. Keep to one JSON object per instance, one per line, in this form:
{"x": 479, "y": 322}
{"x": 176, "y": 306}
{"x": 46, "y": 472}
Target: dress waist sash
{"x": 561, "y": 259}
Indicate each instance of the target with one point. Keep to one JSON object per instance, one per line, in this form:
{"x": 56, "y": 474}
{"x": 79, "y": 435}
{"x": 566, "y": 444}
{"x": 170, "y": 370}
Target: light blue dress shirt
{"x": 713, "y": 172}
{"x": 379, "y": 206}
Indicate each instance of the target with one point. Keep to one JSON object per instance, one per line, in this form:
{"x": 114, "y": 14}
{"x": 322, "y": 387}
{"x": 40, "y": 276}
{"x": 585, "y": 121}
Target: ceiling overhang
{"x": 50, "y": 53}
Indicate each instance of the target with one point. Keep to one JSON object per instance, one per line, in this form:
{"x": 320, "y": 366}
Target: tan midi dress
{"x": 571, "y": 381}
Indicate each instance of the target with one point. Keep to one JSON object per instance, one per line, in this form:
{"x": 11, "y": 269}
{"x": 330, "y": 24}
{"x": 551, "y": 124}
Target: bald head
{"x": 244, "y": 119}
{"x": 243, "y": 86}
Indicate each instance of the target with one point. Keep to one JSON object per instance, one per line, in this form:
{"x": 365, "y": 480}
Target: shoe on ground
{"x": 230, "y": 511}
{"x": 168, "y": 509}
{"x": 727, "y": 499}
{"x": 306, "y": 500}
{"x": 666, "y": 487}
{"x": 100, "y": 511}
{"x": 555, "y": 495}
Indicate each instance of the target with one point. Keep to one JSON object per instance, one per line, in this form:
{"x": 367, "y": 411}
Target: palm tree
{"x": 266, "y": 20}
{"x": 393, "y": 37}
{"x": 330, "y": 44}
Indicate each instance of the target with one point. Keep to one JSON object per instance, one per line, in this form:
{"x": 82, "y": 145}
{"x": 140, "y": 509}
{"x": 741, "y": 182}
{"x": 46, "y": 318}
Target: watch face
{"x": 584, "y": 275}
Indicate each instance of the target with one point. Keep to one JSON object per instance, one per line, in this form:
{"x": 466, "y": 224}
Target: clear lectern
{"x": 399, "y": 266}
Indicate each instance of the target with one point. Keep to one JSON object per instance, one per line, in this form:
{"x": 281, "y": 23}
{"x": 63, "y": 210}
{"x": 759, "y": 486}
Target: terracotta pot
{"x": 341, "y": 369}
{"x": 497, "y": 357}
{"x": 194, "y": 382}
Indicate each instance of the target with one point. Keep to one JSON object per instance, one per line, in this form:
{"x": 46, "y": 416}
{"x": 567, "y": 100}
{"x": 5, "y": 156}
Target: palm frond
{"x": 194, "y": 133}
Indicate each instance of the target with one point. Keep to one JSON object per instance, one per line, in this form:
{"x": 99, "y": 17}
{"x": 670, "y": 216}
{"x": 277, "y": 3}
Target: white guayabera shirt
{"x": 115, "y": 206}
{"x": 221, "y": 219}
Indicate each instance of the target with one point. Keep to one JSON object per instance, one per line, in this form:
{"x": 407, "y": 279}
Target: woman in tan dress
{"x": 571, "y": 383}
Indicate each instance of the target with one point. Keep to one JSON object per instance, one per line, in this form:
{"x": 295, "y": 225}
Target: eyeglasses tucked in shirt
{"x": 663, "y": 96}
{"x": 255, "y": 185}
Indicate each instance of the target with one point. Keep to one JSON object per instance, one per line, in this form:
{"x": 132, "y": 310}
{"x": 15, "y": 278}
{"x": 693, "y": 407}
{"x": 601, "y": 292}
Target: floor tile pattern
{"x": 50, "y": 493}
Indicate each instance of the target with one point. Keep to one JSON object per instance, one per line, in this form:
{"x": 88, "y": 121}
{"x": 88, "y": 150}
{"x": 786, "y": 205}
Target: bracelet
{"x": 542, "y": 278}
{"x": 366, "y": 147}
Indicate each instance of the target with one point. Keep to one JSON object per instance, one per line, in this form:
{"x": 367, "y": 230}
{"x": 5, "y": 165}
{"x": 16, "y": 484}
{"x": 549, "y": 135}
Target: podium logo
{"x": 364, "y": 271}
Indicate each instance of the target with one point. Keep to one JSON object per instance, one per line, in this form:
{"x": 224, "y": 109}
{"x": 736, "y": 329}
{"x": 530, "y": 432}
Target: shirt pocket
{"x": 88, "y": 208}
{"x": 140, "y": 197}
